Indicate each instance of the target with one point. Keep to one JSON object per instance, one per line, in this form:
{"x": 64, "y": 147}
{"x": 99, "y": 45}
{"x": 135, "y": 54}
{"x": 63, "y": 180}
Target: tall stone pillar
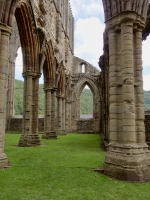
{"x": 10, "y": 92}
{"x": 68, "y": 116}
{"x": 49, "y": 119}
{"x": 60, "y": 111}
{"x": 63, "y": 131}
{"x": 53, "y": 114}
{"x": 47, "y": 114}
{"x": 30, "y": 135}
{"x": 139, "y": 93}
{"x": 5, "y": 33}
{"x": 128, "y": 157}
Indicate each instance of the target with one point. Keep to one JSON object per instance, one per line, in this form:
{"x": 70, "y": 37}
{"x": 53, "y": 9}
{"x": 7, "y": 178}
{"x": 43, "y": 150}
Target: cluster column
{"x": 61, "y": 130}
{"x": 128, "y": 114}
{"x": 10, "y": 96}
{"x": 30, "y": 135}
{"x": 5, "y": 33}
{"x": 68, "y": 116}
{"x": 139, "y": 94}
{"x": 128, "y": 157}
{"x": 50, "y": 110}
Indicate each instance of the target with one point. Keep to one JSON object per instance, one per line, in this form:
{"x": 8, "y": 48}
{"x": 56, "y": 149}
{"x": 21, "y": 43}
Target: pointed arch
{"x": 49, "y": 67}
{"x": 76, "y": 92}
{"x": 7, "y": 10}
{"x": 86, "y": 104}
{"x": 28, "y": 36}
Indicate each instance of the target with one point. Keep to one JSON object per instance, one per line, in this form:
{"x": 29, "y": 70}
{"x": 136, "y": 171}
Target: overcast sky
{"x": 89, "y": 27}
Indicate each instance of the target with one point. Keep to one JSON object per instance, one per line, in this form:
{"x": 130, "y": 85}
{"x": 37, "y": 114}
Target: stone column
{"x": 53, "y": 114}
{"x": 59, "y": 115}
{"x": 128, "y": 157}
{"x": 113, "y": 97}
{"x": 68, "y": 116}
{"x": 10, "y": 93}
{"x": 63, "y": 130}
{"x": 30, "y": 135}
{"x": 139, "y": 94}
{"x": 47, "y": 114}
{"x": 5, "y": 33}
{"x": 36, "y": 78}
{"x": 49, "y": 119}
{"x": 128, "y": 115}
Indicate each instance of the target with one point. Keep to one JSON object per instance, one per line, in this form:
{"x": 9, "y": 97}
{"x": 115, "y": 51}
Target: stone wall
{"x": 15, "y": 124}
{"x": 86, "y": 126}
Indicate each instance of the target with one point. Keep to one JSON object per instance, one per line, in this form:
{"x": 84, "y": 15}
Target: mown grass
{"x": 62, "y": 170}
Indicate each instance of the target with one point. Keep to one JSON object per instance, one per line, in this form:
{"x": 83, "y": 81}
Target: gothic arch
{"x": 76, "y": 91}
{"x": 49, "y": 67}
{"x": 79, "y": 87}
{"x": 28, "y": 36}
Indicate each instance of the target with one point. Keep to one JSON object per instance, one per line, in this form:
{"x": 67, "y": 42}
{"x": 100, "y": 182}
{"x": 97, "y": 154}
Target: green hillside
{"x": 86, "y": 100}
{"x": 19, "y": 98}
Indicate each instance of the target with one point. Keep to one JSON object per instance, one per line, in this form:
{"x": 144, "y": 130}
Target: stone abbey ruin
{"x": 45, "y": 31}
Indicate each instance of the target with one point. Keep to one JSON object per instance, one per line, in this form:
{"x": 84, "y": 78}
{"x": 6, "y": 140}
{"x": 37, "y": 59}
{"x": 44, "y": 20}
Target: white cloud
{"x": 89, "y": 39}
{"x": 87, "y": 8}
{"x": 146, "y": 52}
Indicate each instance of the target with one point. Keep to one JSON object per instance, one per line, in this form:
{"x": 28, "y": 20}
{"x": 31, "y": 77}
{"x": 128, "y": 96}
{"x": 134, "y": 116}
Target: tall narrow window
{"x": 86, "y": 103}
{"x": 83, "y": 68}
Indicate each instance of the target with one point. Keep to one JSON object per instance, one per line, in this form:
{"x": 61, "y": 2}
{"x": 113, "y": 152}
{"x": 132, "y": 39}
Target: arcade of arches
{"x": 44, "y": 30}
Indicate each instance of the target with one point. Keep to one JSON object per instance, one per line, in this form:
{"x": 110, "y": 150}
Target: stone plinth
{"x": 128, "y": 162}
{"x": 29, "y": 140}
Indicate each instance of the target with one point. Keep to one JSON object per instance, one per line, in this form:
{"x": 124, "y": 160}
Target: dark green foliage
{"x": 86, "y": 102}
{"x": 86, "y": 99}
{"x": 18, "y": 104}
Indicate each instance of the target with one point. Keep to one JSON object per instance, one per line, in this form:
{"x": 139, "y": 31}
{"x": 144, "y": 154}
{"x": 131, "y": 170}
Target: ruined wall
{"x": 77, "y": 66}
{"x": 91, "y": 78}
{"x": 15, "y": 124}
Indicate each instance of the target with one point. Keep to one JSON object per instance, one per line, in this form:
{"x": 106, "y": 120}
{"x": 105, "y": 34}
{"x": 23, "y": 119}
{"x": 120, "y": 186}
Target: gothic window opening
{"x": 83, "y": 68}
{"x": 86, "y": 103}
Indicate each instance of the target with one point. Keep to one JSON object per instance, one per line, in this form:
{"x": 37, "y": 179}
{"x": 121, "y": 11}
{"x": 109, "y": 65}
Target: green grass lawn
{"x": 62, "y": 170}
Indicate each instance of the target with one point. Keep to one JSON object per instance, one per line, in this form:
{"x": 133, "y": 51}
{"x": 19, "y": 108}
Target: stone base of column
{"x": 49, "y": 135}
{"x": 69, "y": 130}
{"x": 130, "y": 162}
{"x": 61, "y": 132}
{"x": 3, "y": 161}
{"x": 29, "y": 141}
